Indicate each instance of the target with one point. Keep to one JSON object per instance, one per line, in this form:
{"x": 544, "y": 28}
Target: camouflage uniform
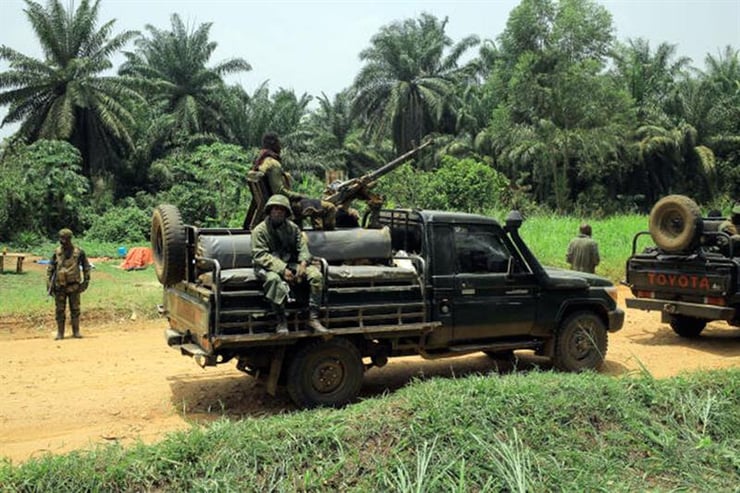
{"x": 275, "y": 249}
{"x": 731, "y": 226}
{"x": 277, "y": 181}
{"x": 65, "y": 282}
{"x": 583, "y": 254}
{"x": 321, "y": 212}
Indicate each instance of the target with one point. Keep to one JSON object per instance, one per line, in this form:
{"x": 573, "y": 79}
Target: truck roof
{"x": 446, "y": 217}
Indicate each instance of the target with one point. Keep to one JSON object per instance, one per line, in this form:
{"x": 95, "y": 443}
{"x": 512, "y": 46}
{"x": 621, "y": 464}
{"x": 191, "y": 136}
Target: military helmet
{"x": 65, "y": 233}
{"x": 280, "y": 200}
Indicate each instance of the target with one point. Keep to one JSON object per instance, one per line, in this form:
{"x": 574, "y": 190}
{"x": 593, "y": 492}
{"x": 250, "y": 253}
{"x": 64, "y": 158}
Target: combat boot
{"x": 76, "y": 328}
{"x": 60, "y": 330}
{"x": 314, "y": 323}
{"x": 282, "y": 321}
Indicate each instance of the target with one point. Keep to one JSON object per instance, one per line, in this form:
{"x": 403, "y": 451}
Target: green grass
{"x": 537, "y": 431}
{"x": 548, "y": 237}
{"x": 113, "y": 292}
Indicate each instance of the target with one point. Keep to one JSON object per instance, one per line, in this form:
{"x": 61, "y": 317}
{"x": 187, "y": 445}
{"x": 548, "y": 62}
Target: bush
{"x": 208, "y": 185}
{"x": 42, "y": 189}
{"x": 464, "y": 185}
{"x": 121, "y": 224}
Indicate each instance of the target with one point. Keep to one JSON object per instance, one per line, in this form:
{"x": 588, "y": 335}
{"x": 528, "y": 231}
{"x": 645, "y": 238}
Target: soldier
{"x": 281, "y": 258}
{"x": 322, "y": 213}
{"x": 65, "y": 282}
{"x": 731, "y": 226}
{"x": 583, "y": 252}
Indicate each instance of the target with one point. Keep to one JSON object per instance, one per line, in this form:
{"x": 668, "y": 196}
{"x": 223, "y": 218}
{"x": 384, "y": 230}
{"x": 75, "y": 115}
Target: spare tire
{"x": 168, "y": 244}
{"x": 675, "y": 224}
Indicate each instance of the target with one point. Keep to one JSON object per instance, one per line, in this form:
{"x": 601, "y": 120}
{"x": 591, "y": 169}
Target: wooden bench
{"x": 18, "y": 261}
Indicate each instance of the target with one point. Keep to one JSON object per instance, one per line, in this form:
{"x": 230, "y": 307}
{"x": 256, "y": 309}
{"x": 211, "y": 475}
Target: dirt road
{"x": 122, "y": 383}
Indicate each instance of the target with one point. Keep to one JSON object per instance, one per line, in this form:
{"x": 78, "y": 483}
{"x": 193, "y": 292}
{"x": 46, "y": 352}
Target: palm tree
{"x": 650, "y": 77}
{"x": 723, "y": 75}
{"x": 406, "y": 88}
{"x": 64, "y": 96}
{"x": 675, "y": 163}
{"x": 183, "y": 86}
{"x": 335, "y": 140}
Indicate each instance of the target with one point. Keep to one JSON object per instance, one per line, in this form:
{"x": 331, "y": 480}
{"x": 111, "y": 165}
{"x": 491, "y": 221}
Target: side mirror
{"x": 514, "y": 220}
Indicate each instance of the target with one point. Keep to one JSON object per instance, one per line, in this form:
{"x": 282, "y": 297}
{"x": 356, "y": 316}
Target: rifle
{"x": 343, "y": 193}
{"x": 52, "y": 282}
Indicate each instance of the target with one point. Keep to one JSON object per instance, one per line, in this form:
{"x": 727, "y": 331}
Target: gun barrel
{"x": 388, "y": 167}
{"x": 348, "y": 190}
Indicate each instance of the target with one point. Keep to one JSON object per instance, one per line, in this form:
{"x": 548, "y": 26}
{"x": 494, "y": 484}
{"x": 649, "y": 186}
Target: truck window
{"x": 444, "y": 254}
{"x": 480, "y": 250}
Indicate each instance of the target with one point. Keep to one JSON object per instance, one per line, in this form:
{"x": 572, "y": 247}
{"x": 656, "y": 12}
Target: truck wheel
{"x": 325, "y": 373}
{"x": 168, "y": 244}
{"x": 675, "y": 223}
{"x": 687, "y": 326}
{"x": 580, "y": 343}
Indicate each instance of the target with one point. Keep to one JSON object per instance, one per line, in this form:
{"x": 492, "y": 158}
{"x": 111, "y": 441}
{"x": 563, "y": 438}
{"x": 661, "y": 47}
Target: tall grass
{"x": 539, "y": 431}
{"x": 548, "y": 237}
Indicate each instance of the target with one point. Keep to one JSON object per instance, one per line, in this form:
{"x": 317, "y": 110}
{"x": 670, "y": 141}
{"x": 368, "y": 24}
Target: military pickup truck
{"x": 691, "y": 274}
{"x": 435, "y": 284}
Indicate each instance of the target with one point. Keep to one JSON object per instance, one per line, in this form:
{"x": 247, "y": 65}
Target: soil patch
{"x": 121, "y": 383}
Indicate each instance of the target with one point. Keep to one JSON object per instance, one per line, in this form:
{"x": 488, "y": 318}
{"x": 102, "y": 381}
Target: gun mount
{"x": 341, "y": 194}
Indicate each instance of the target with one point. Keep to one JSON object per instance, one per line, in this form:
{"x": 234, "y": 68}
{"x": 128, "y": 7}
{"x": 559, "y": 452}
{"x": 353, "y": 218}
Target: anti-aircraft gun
{"x": 342, "y": 193}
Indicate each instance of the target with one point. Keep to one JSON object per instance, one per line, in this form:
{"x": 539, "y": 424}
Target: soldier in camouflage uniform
{"x": 281, "y": 258}
{"x": 321, "y": 212}
{"x": 731, "y": 226}
{"x": 65, "y": 282}
{"x": 583, "y": 251}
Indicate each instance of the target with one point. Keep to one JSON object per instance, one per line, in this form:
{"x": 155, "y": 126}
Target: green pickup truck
{"x": 429, "y": 283}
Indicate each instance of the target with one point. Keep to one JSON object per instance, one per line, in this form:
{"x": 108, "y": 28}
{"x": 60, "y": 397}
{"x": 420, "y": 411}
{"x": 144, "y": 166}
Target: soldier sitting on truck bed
{"x": 269, "y": 162}
{"x": 731, "y": 227}
{"x": 281, "y": 258}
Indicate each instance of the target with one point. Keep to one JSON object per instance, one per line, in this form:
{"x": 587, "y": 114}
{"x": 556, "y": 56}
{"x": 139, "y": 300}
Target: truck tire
{"x": 325, "y": 373}
{"x": 580, "y": 343}
{"x": 168, "y": 244}
{"x": 687, "y": 326}
{"x": 676, "y": 224}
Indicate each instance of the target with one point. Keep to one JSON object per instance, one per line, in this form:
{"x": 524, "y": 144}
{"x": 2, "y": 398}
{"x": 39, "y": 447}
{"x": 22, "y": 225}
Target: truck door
{"x": 486, "y": 302}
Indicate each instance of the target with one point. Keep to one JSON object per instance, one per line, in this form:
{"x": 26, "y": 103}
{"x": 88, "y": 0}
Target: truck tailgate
{"x": 695, "y": 278}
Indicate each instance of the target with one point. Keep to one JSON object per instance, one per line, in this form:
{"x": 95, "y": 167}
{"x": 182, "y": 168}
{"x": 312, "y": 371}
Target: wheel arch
{"x": 567, "y": 309}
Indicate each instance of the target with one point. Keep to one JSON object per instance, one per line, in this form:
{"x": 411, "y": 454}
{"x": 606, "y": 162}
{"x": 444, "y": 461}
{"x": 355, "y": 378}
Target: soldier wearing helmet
{"x": 65, "y": 281}
{"x": 281, "y": 259}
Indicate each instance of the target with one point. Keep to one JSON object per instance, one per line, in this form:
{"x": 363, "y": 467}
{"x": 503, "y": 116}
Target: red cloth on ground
{"x": 138, "y": 258}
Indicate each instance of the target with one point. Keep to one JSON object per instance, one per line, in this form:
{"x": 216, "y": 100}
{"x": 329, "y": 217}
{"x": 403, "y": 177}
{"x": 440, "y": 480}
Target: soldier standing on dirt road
{"x": 583, "y": 251}
{"x": 65, "y": 282}
{"x": 281, "y": 258}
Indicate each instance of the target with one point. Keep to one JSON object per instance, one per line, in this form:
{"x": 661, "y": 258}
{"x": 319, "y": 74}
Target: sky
{"x": 314, "y": 46}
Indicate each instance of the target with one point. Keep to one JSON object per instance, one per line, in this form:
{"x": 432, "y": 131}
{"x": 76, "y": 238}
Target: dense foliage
{"x": 554, "y": 113}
